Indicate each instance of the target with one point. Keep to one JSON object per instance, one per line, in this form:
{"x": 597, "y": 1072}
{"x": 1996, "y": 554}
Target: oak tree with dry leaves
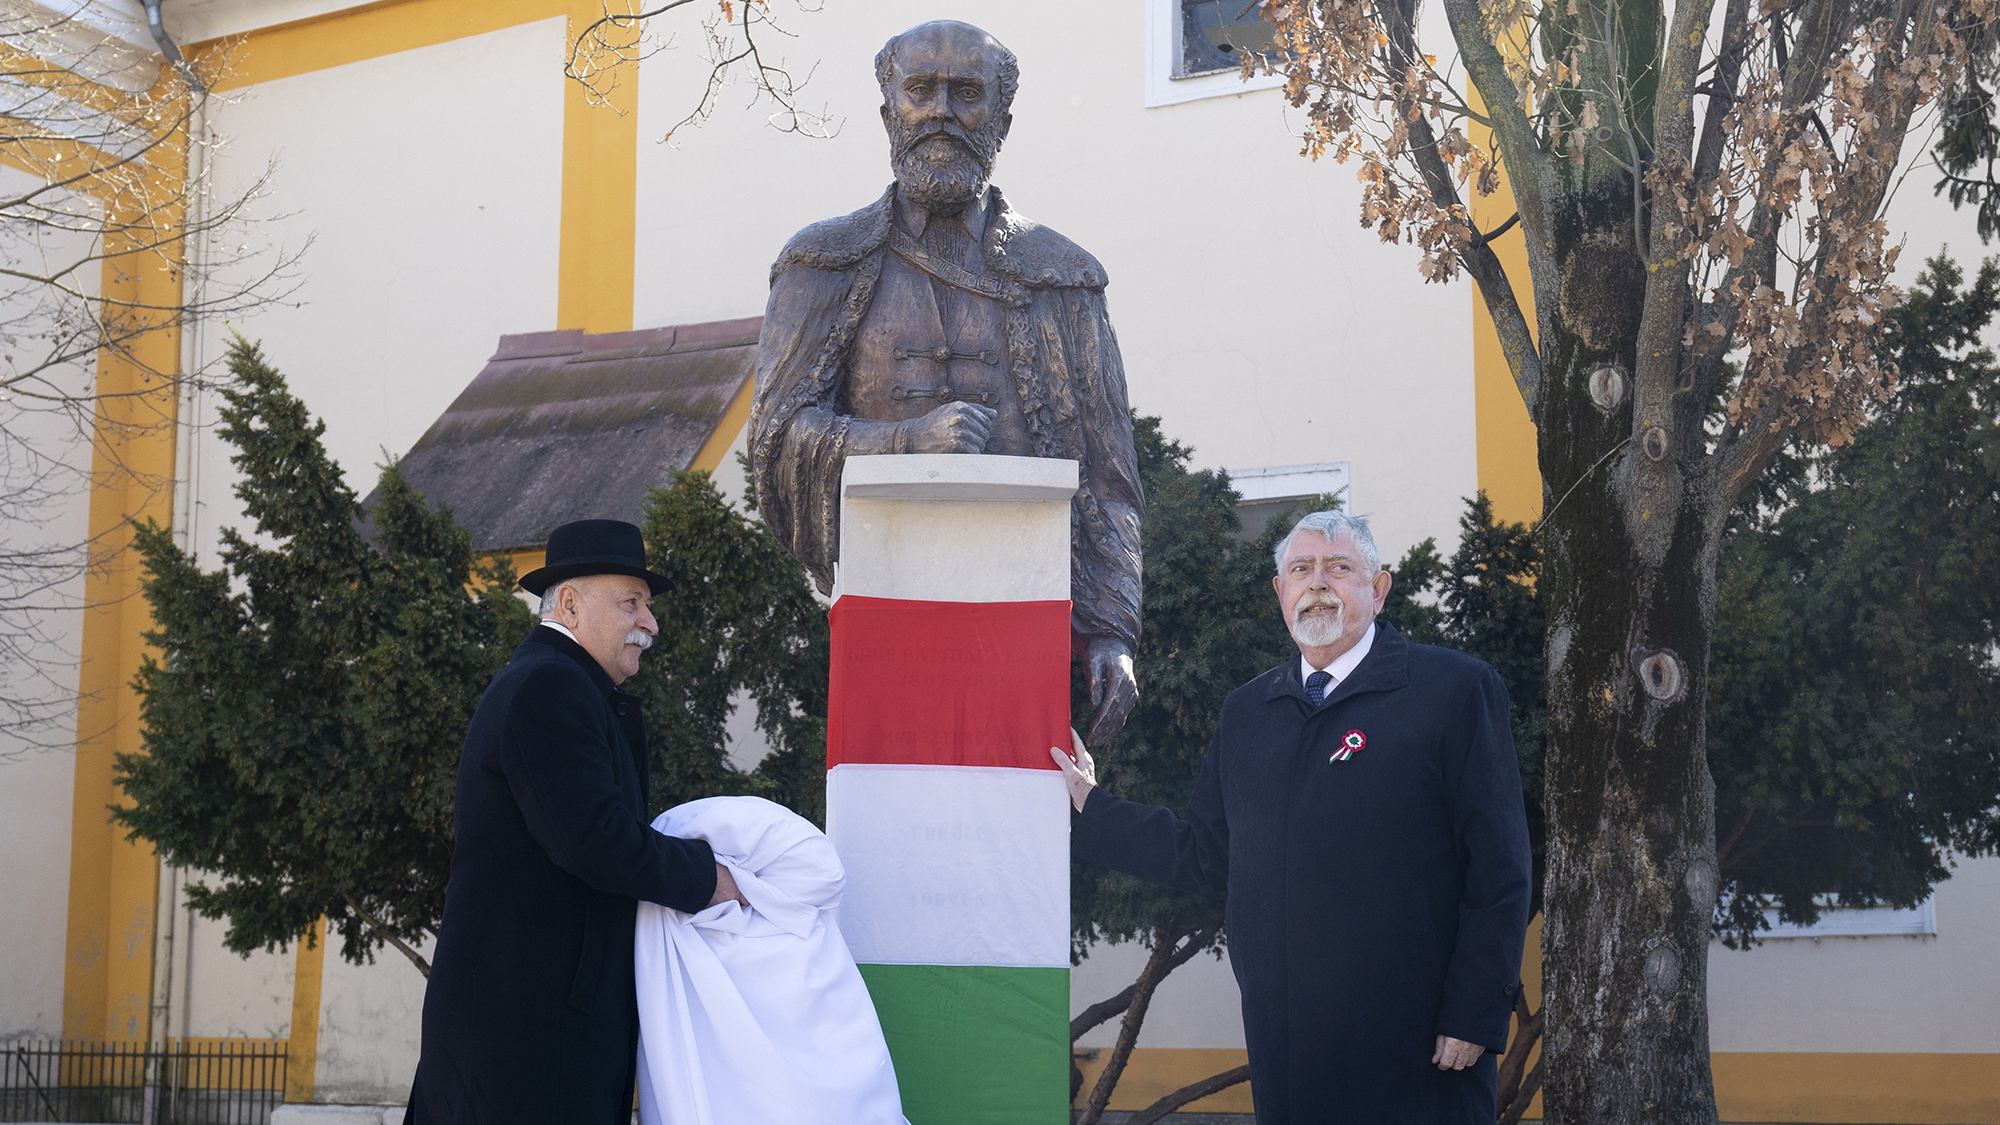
{"x": 1700, "y": 190}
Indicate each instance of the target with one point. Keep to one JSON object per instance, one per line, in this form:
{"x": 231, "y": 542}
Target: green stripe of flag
{"x": 976, "y": 1045}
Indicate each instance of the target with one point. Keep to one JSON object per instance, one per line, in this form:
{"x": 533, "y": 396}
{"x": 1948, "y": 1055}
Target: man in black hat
{"x": 530, "y": 1015}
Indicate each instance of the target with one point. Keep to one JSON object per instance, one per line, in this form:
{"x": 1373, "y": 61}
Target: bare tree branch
{"x": 112, "y": 239}
{"x": 1193, "y": 1091}
{"x": 388, "y": 935}
{"x": 1116, "y": 1005}
{"x": 1527, "y": 165}
{"x": 615, "y": 42}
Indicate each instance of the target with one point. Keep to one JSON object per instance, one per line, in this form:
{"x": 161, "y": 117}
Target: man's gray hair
{"x": 1329, "y": 524}
{"x": 1008, "y": 66}
{"x": 549, "y": 597}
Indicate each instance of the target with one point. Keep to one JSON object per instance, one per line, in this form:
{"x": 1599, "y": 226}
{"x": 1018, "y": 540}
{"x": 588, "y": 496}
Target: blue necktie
{"x": 1316, "y": 686}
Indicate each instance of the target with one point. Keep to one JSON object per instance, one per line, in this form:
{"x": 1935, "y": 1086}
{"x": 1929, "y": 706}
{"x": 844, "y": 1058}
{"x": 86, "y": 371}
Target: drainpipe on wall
{"x": 169, "y": 48}
{"x": 174, "y": 919}
{"x": 166, "y": 896}
{"x": 194, "y": 331}
{"x": 158, "y": 1040}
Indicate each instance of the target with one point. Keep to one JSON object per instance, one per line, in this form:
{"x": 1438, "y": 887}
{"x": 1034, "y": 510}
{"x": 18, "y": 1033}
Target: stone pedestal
{"x": 950, "y": 681}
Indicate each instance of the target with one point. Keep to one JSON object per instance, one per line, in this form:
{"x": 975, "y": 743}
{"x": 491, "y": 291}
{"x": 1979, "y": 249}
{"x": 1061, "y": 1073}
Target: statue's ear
{"x": 885, "y": 113}
{"x": 1006, "y": 124}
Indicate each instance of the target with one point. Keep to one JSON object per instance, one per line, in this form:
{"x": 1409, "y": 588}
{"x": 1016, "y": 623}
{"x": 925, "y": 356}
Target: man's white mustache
{"x": 1314, "y": 601}
{"x": 641, "y": 638}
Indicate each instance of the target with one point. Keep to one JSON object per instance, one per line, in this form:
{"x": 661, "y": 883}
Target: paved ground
{"x": 1117, "y": 1117}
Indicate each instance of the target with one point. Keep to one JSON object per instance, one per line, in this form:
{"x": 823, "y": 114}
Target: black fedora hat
{"x": 594, "y": 547}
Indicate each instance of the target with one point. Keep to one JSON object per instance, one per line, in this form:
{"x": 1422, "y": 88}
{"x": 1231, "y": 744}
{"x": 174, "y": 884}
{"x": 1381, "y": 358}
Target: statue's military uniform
{"x": 872, "y": 322}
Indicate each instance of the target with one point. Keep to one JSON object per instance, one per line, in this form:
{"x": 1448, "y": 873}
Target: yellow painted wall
{"x": 1821, "y": 1087}
{"x": 302, "y": 1050}
{"x": 108, "y": 973}
{"x": 113, "y": 883}
{"x": 710, "y": 455}
{"x": 1863, "y": 1089}
{"x": 1508, "y": 470}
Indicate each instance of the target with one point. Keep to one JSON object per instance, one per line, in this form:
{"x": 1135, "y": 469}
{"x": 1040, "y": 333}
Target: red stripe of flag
{"x": 948, "y": 683}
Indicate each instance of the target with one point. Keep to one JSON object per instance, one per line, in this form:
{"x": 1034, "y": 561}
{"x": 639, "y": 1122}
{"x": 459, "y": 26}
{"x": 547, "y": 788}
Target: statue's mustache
{"x": 942, "y": 132}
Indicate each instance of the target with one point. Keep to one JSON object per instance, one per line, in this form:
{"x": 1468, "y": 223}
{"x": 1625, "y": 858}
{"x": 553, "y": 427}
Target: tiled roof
{"x": 571, "y": 425}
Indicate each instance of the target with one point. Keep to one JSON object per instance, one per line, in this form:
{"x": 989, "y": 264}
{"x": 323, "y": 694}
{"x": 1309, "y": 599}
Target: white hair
{"x": 1329, "y": 524}
{"x": 550, "y": 597}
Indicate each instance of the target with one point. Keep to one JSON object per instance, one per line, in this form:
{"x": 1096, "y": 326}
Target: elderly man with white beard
{"x": 1361, "y": 809}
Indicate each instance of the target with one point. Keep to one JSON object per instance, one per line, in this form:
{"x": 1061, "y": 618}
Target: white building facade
{"x": 443, "y": 185}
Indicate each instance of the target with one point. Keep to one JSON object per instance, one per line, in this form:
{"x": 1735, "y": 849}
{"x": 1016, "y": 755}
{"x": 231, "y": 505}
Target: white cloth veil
{"x": 758, "y": 1015}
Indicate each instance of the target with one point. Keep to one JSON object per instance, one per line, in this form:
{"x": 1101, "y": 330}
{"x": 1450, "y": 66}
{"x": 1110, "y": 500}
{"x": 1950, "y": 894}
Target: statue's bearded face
{"x": 941, "y": 107}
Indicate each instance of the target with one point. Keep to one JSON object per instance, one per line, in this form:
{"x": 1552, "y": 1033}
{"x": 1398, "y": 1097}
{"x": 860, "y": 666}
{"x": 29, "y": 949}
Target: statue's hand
{"x": 1113, "y": 688}
{"x": 955, "y": 427}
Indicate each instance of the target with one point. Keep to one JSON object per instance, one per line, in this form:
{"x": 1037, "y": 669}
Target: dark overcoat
{"x": 1373, "y": 903}
{"x": 530, "y": 1015}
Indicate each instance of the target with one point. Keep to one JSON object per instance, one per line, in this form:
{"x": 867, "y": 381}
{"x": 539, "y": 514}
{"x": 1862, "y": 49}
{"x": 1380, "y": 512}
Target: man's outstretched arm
{"x": 1147, "y": 841}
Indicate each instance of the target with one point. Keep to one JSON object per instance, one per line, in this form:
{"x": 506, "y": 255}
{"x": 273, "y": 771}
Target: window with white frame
{"x": 1862, "y": 921}
{"x": 1278, "y": 488}
{"x": 1853, "y": 921}
{"x": 1194, "y": 49}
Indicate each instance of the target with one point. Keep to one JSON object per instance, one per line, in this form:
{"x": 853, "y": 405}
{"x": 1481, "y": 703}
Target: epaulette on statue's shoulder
{"x": 1019, "y": 248}
{"x": 839, "y": 244}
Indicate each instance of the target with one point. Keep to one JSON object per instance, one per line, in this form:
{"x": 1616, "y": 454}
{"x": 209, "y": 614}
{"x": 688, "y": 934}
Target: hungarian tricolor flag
{"x": 953, "y": 826}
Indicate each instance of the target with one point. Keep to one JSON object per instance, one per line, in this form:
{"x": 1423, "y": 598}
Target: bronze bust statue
{"x": 939, "y": 320}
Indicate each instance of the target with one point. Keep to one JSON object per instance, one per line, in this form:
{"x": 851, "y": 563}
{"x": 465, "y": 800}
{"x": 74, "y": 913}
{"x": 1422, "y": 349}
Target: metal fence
{"x": 188, "y": 1082}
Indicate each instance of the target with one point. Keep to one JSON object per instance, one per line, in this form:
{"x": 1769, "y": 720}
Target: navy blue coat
{"x": 531, "y": 1013}
{"x": 1373, "y": 903}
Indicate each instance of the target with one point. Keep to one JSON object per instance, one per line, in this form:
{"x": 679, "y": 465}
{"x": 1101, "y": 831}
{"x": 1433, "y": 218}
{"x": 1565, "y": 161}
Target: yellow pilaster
{"x": 726, "y": 428}
{"x": 1509, "y": 472}
{"x": 302, "y": 1050}
{"x": 108, "y": 974}
{"x": 600, "y": 207}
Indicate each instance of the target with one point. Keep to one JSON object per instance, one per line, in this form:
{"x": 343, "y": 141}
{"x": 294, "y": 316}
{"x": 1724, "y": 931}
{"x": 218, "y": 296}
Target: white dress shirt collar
{"x": 564, "y": 630}
{"x": 1342, "y": 665}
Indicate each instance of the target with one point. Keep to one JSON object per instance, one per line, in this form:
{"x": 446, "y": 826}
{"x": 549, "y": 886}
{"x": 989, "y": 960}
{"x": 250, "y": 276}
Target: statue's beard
{"x": 941, "y": 167}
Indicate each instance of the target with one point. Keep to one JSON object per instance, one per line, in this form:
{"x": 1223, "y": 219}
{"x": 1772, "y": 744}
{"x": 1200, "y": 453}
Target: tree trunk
{"x": 1631, "y": 836}
{"x": 1631, "y": 530}
{"x": 1156, "y": 970}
